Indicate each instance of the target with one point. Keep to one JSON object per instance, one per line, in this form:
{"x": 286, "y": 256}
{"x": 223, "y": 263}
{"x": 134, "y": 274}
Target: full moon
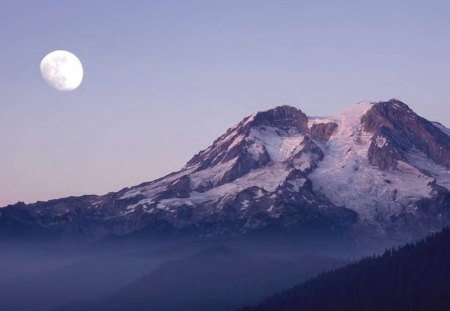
{"x": 62, "y": 70}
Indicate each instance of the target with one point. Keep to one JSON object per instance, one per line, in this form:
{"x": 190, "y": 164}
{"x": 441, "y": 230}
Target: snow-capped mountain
{"x": 375, "y": 165}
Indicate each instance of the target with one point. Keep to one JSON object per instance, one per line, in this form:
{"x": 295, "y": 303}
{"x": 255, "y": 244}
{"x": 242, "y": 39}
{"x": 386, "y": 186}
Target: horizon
{"x": 164, "y": 79}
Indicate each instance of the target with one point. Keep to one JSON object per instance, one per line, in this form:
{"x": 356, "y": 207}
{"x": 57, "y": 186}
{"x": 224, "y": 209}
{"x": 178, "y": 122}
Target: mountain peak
{"x": 243, "y": 141}
{"x": 377, "y": 164}
{"x": 394, "y": 103}
{"x": 283, "y": 117}
{"x": 403, "y": 132}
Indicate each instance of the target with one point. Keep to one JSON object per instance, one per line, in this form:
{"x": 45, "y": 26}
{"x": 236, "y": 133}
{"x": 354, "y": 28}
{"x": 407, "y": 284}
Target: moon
{"x": 62, "y": 70}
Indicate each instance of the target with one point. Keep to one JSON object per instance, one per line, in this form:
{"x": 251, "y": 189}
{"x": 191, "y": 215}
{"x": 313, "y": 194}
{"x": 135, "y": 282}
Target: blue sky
{"x": 163, "y": 79}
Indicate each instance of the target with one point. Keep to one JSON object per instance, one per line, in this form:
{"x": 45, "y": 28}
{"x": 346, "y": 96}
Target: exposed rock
{"x": 323, "y": 131}
{"x": 403, "y": 131}
{"x": 271, "y": 172}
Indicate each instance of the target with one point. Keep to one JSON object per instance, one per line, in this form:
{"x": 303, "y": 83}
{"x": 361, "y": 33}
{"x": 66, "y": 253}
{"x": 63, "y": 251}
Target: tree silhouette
{"x": 414, "y": 277}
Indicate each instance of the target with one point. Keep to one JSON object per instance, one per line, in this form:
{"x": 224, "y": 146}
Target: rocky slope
{"x": 377, "y": 167}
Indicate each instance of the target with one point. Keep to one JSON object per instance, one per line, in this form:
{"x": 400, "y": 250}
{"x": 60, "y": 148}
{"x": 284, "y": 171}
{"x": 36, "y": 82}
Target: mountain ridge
{"x": 375, "y": 165}
{"x": 396, "y": 280}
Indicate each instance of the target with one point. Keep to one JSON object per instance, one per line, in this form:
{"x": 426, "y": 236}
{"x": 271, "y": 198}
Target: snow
{"x": 155, "y": 187}
{"x": 256, "y": 149}
{"x": 380, "y": 141}
{"x": 127, "y": 212}
{"x": 279, "y": 146}
{"x": 250, "y": 118}
{"x": 411, "y": 182}
{"x": 346, "y": 177}
{"x": 303, "y": 162}
{"x": 260, "y": 193}
{"x": 267, "y": 178}
{"x": 230, "y": 136}
{"x": 297, "y": 184}
{"x": 318, "y": 120}
{"x": 203, "y": 177}
{"x": 163, "y": 206}
{"x": 235, "y": 141}
{"x": 441, "y": 173}
{"x": 211, "y": 175}
{"x": 150, "y": 190}
{"x": 348, "y": 146}
{"x": 245, "y": 204}
{"x": 132, "y": 207}
{"x": 96, "y": 203}
{"x": 442, "y": 128}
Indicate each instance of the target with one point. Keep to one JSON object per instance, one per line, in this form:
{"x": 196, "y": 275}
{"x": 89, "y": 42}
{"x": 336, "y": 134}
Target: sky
{"x": 164, "y": 78}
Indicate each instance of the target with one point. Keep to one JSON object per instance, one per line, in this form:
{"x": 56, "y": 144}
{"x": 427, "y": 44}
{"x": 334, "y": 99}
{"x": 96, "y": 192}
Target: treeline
{"x": 413, "y": 277}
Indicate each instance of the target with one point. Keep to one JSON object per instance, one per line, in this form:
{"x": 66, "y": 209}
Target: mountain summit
{"x": 377, "y": 167}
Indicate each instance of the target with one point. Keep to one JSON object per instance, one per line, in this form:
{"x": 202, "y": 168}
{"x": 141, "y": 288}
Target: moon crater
{"x": 62, "y": 70}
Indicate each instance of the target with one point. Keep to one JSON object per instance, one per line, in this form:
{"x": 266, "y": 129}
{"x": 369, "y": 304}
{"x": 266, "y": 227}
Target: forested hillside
{"x": 413, "y": 277}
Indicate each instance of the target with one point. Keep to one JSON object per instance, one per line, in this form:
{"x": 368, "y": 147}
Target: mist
{"x": 162, "y": 273}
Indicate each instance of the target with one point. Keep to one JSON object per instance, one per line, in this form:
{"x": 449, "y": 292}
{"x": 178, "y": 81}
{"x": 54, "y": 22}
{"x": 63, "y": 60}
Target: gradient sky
{"x": 164, "y": 78}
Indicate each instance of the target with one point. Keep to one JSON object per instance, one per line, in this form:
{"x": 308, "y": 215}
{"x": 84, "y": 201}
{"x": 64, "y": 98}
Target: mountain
{"x": 415, "y": 277}
{"x": 227, "y": 276}
{"x": 376, "y": 167}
